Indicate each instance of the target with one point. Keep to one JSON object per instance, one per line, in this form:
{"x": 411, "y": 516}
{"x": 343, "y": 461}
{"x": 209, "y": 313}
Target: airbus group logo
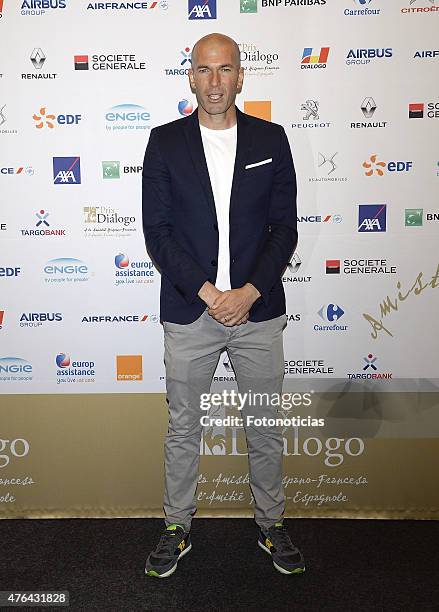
{"x": 67, "y": 170}
{"x": 365, "y": 56}
{"x": 40, "y": 7}
{"x": 372, "y": 218}
{"x": 202, "y": 9}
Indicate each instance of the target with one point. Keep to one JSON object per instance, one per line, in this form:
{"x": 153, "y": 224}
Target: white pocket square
{"x": 261, "y": 163}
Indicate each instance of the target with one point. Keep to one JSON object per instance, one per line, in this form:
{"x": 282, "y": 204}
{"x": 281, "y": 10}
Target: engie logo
{"x": 13, "y": 369}
{"x": 67, "y": 170}
{"x": 44, "y": 119}
{"x": 202, "y": 9}
{"x": 66, "y": 270}
{"x": 372, "y": 218}
{"x": 127, "y": 117}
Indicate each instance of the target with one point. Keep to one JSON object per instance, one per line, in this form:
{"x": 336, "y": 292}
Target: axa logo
{"x": 372, "y": 218}
{"x": 199, "y": 9}
{"x": 46, "y": 119}
{"x": 67, "y": 170}
{"x": 375, "y": 167}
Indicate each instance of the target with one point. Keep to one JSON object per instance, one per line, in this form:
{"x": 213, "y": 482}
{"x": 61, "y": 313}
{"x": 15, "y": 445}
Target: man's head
{"x": 216, "y": 75}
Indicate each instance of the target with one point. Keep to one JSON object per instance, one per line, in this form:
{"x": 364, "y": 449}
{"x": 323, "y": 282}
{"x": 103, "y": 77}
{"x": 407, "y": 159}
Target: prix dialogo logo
{"x": 67, "y": 170}
{"x": 40, "y": 7}
{"x": 202, "y": 9}
{"x": 315, "y": 60}
{"x": 372, "y": 218}
{"x": 104, "y": 221}
{"x": 74, "y": 371}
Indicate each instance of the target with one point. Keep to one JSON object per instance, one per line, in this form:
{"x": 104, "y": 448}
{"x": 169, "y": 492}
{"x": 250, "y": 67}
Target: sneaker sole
{"x": 297, "y": 570}
{"x": 173, "y": 568}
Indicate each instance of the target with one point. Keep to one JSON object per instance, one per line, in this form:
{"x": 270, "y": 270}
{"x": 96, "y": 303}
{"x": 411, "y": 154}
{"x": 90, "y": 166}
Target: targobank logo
{"x": 127, "y": 117}
{"x": 202, "y": 9}
{"x": 132, "y": 272}
{"x": 13, "y": 369}
{"x": 66, "y": 270}
{"x": 74, "y": 371}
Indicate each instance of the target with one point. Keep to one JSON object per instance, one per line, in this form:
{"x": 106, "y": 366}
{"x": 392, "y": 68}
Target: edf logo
{"x": 374, "y": 166}
{"x": 199, "y": 9}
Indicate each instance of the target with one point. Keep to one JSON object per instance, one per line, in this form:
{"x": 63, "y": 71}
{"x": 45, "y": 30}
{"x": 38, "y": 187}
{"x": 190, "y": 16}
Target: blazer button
{"x": 215, "y": 227}
{"x": 213, "y": 262}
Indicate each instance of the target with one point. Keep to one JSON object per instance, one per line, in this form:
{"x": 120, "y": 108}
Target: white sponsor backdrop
{"x": 80, "y": 106}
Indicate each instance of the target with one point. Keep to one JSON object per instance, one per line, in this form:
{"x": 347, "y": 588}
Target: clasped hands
{"x": 229, "y": 307}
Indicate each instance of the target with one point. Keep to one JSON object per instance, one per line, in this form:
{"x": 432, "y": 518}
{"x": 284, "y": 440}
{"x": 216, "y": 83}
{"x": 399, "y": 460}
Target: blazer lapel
{"x": 195, "y": 146}
{"x": 243, "y": 147}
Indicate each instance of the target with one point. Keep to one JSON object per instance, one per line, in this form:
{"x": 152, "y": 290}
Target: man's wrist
{"x": 208, "y": 293}
{"x": 253, "y": 291}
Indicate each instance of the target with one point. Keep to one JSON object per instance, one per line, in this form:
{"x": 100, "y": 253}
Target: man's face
{"x": 215, "y": 76}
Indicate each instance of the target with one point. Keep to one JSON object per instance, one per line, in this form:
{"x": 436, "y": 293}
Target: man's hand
{"x": 232, "y": 307}
{"x": 209, "y": 293}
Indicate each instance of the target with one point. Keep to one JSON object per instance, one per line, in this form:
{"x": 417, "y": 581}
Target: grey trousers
{"x": 191, "y": 355}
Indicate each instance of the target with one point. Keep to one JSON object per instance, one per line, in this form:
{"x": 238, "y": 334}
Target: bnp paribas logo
{"x": 110, "y": 169}
{"x": 248, "y": 6}
{"x": 413, "y": 217}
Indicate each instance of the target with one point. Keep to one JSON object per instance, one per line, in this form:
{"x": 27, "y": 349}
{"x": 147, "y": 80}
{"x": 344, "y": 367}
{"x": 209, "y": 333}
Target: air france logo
{"x": 67, "y": 170}
{"x": 372, "y": 218}
{"x": 199, "y": 9}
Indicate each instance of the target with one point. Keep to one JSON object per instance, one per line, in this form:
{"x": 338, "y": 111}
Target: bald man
{"x": 219, "y": 218}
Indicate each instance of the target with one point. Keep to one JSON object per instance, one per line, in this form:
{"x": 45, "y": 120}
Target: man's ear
{"x": 240, "y": 80}
{"x": 191, "y": 80}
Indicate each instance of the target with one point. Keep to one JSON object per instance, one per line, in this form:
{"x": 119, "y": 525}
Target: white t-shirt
{"x": 220, "y": 150}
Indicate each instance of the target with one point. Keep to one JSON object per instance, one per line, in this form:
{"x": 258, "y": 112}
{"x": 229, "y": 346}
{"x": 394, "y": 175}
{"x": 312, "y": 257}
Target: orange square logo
{"x": 129, "y": 367}
{"x": 258, "y": 108}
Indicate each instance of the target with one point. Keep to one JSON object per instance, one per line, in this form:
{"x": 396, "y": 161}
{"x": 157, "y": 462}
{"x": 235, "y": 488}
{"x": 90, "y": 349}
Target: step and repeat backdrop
{"x": 82, "y": 407}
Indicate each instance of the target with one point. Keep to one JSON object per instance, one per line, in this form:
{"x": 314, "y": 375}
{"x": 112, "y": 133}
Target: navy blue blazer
{"x": 180, "y": 223}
